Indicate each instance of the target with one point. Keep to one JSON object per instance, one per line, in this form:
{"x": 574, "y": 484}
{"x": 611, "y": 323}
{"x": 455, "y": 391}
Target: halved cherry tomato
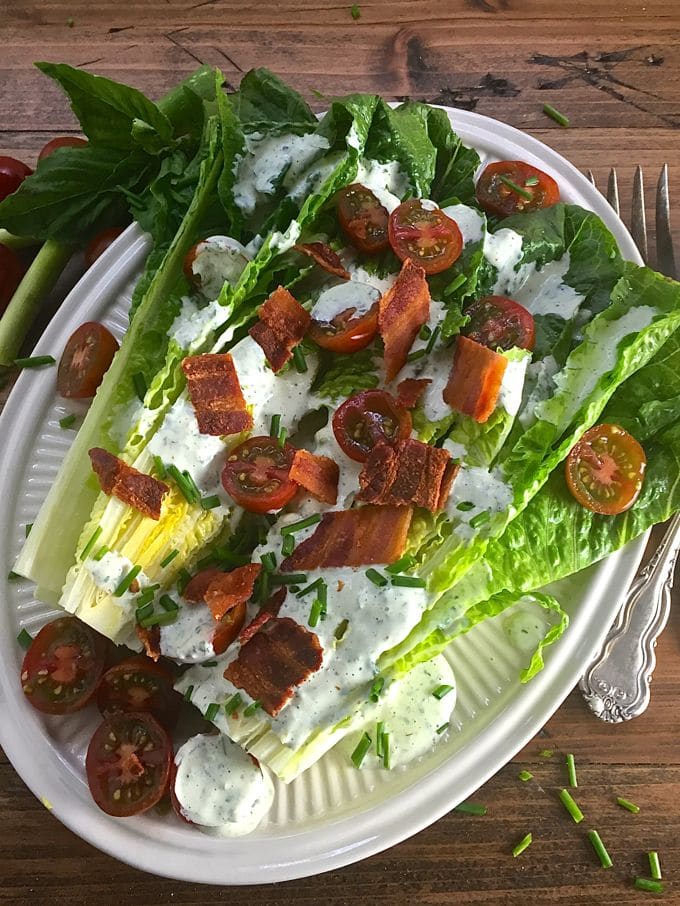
{"x": 346, "y": 333}
{"x": 500, "y": 323}
{"x": 128, "y": 764}
{"x": 429, "y": 237}
{"x": 367, "y": 418}
{"x": 177, "y": 808}
{"x": 256, "y": 474}
{"x": 605, "y": 470}
{"x": 12, "y": 173}
{"x": 188, "y": 265}
{"x": 11, "y": 272}
{"x": 62, "y": 668}
{"x": 97, "y": 246}
{"x": 497, "y": 188}
{"x": 85, "y": 360}
{"x": 138, "y": 684}
{"x": 63, "y": 141}
{"x": 363, "y": 219}
{"x": 229, "y": 627}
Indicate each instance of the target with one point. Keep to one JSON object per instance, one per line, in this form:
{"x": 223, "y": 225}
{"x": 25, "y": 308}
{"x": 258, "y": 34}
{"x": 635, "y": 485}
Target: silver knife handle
{"x": 616, "y": 683}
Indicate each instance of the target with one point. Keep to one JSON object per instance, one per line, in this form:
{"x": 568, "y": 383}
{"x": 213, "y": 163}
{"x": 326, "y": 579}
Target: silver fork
{"x": 616, "y": 683}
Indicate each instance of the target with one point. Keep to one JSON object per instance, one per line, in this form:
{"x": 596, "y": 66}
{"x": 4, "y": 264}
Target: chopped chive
{"x": 414, "y": 356}
{"x": 531, "y": 181}
{"x": 35, "y": 361}
{"x": 433, "y": 339}
{"x": 465, "y": 506}
{"x": 379, "y": 734}
{"x": 167, "y": 560}
{"x": 159, "y": 466}
{"x": 546, "y": 753}
{"x": 315, "y": 613}
{"x": 24, "y": 639}
{"x": 11, "y": 575}
{"x": 183, "y": 579}
{"x": 649, "y": 886}
{"x": 262, "y": 587}
{"x": 479, "y": 519}
{"x": 139, "y": 383}
{"x": 515, "y": 188}
{"x": 67, "y": 421}
{"x": 471, "y": 808}
{"x": 101, "y": 553}
{"x": 27, "y": 528}
{"x": 268, "y": 561}
{"x": 571, "y": 768}
{"x": 283, "y": 434}
{"x": 361, "y": 750}
{"x": 341, "y": 629}
{"x": 554, "y": 114}
{"x": 127, "y": 581}
{"x": 376, "y": 578}
{"x": 629, "y": 806}
{"x": 302, "y": 524}
{"x": 288, "y": 545}
{"x": 408, "y": 582}
{"x": 289, "y": 578}
{"x": 275, "y": 425}
{"x": 91, "y": 543}
{"x": 455, "y": 284}
{"x": 376, "y": 688}
{"x": 317, "y": 583}
{"x": 209, "y": 503}
{"x": 299, "y": 360}
{"x": 400, "y": 565}
{"x": 252, "y": 708}
{"x": 355, "y": 11}
{"x": 654, "y": 865}
{"x": 159, "y": 619}
{"x": 234, "y": 702}
{"x": 180, "y": 480}
{"x": 209, "y": 664}
{"x": 145, "y": 596}
{"x": 386, "y": 751}
{"x": 441, "y": 728}
{"x": 189, "y": 692}
{"x": 211, "y": 711}
{"x": 568, "y": 802}
{"x": 167, "y": 603}
{"x": 441, "y": 691}
{"x": 196, "y": 494}
{"x": 522, "y": 845}
{"x": 525, "y": 775}
{"x": 600, "y": 849}
{"x": 425, "y": 332}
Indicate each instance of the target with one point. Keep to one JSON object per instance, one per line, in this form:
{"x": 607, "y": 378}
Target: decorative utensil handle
{"x": 616, "y": 683}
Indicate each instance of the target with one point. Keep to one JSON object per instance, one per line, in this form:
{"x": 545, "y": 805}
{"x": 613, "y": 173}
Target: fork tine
{"x": 665, "y": 259}
{"x": 613, "y": 191}
{"x": 638, "y": 222}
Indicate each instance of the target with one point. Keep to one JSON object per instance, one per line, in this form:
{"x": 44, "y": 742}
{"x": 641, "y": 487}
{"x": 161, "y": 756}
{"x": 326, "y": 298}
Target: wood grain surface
{"x": 614, "y": 68}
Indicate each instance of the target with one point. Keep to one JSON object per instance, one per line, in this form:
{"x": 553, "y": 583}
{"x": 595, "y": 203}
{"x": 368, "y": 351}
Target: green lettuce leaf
{"x": 341, "y": 376}
{"x": 456, "y": 164}
{"x": 263, "y": 103}
{"x": 401, "y": 134}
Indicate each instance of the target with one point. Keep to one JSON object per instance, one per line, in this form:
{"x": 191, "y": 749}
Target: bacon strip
{"x": 402, "y": 312}
{"x": 370, "y": 534}
{"x": 267, "y": 612}
{"x": 227, "y": 590}
{"x": 408, "y": 472}
{"x": 216, "y": 394}
{"x": 196, "y": 588}
{"x": 317, "y": 474}
{"x": 283, "y": 323}
{"x": 475, "y": 379}
{"x": 118, "y": 479}
{"x": 410, "y": 390}
{"x": 277, "y": 659}
{"x": 151, "y": 639}
{"x": 325, "y": 257}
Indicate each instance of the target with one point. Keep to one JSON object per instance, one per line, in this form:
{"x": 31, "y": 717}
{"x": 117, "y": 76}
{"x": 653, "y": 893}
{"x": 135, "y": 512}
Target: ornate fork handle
{"x": 616, "y": 683}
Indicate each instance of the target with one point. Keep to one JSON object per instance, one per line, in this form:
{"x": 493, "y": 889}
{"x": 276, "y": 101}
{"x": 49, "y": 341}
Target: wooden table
{"x": 613, "y": 67}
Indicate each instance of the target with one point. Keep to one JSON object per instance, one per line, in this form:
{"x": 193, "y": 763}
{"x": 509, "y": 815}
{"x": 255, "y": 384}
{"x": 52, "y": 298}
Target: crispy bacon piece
{"x": 117, "y": 478}
{"x": 216, "y": 394}
{"x": 283, "y": 323}
{"x": 267, "y": 612}
{"x": 325, "y": 257}
{"x": 410, "y": 390}
{"x": 370, "y": 534}
{"x": 196, "y": 588}
{"x": 229, "y": 627}
{"x": 475, "y": 379}
{"x": 227, "y": 590}
{"x": 277, "y": 659}
{"x": 402, "y": 312}
{"x": 317, "y": 474}
{"x": 151, "y": 639}
{"x": 450, "y": 472}
{"x": 406, "y": 473}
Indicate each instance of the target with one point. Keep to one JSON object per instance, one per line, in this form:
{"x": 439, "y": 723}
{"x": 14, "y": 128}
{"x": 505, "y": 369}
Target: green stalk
{"x": 38, "y": 281}
{"x": 10, "y": 241}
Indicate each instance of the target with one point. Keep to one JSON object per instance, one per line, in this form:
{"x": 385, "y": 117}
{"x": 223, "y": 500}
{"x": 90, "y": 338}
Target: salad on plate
{"x": 375, "y": 390}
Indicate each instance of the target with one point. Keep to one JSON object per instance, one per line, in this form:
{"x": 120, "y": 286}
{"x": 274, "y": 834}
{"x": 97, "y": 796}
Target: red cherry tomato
{"x": 346, "y": 333}
{"x": 61, "y": 669}
{"x": 229, "y": 627}
{"x": 128, "y": 764}
{"x": 138, "y": 684}
{"x": 500, "y": 323}
{"x": 363, "y": 219}
{"x": 177, "y": 808}
{"x": 256, "y": 475}
{"x": 429, "y": 237}
{"x": 63, "y": 141}
{"x": 85, "y": 360}
{"x": 605, "y": 470}
{"x": 97, "y": 246}
{"x": 367, "y": 418}
{"x": 497, "y": 188}
{"x": 12, "y": 173}
{"x": 11, "y": 272}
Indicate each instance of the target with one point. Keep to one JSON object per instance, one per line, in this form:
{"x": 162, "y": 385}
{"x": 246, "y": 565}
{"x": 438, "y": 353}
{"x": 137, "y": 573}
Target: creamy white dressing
{"x": 325, "y": 444}
{"x": 189, "y": 639}
{"x": 512, "y": 385}
{"x": 350, "y": 294}
{"x": 387, "y": 181}
{"x": 471, "y": 222}
{"x": 544, "y": 292}
{"x": 525, "y": 629}
{"x": 457, "y": 450}
{"x": 485, "y": 489}
{"x": 281, "y": 242}
{"x": 219, "y": 787}
{"x": 310, "y": 181}
{"x": 219, "y": 260}
{"x": 538, "y": 386}
{"x": 107, "y": 574}
{"x": 361, "y": 275}
{"x": 503, "y": 250}
{"x": 193, "y": 322}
